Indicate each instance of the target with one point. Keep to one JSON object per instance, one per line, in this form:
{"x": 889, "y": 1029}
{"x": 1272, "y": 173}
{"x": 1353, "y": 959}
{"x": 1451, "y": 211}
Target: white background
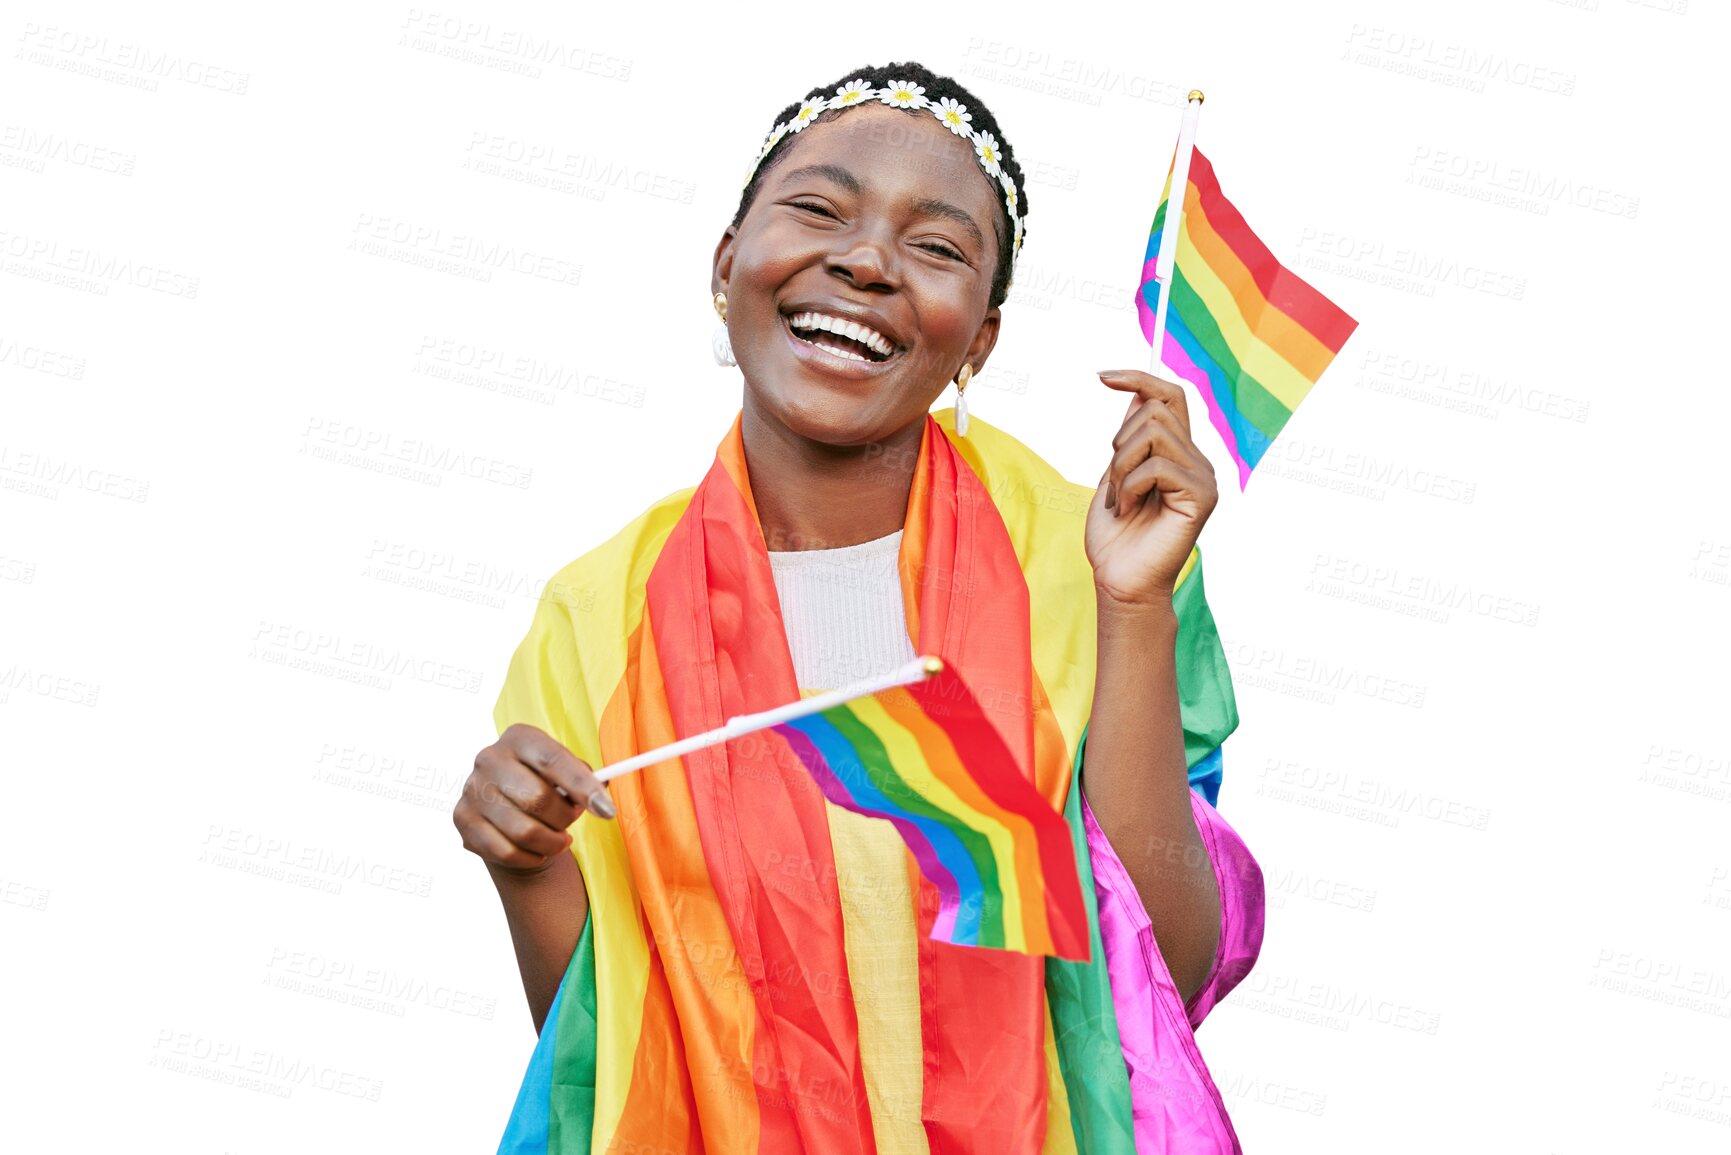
{"x": 1475, "y": 599}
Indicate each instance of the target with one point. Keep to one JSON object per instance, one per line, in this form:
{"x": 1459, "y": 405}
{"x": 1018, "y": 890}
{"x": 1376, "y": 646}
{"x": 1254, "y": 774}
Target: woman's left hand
{"x": 1153, "y": 498}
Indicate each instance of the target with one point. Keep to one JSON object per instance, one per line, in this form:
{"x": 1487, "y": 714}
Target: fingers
{"x": 559, "y": 766}
{"x": 1145, "y": 412}
{"x": 1158, "y": 425}
{"x": 525, "y": 807}
{"x": 1153, "y": 440}
{"x": 524, "y": 830}
{"x": 482, "y": 838}
{"x": 522, "y": 797}
{"x": 1148, "y": 387}
{"x": 534, "y": 795}
{"x": 1179, "y": 487}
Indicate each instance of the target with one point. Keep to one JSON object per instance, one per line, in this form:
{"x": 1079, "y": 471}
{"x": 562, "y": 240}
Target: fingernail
{"x": 1109, "y": 372}
{"x": 601, "y": 805}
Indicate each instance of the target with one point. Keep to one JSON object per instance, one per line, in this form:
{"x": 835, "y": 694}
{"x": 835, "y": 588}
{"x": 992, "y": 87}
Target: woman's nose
{"x": 866, "y": 262}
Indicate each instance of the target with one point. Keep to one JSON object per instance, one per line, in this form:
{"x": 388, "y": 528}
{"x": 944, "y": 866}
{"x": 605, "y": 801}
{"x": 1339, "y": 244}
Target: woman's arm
{"x": 1137, "y": 783}
{"x": 516, "y": 813}
{"x": 1151, "y": 504}
{"x": 545, "y": 911}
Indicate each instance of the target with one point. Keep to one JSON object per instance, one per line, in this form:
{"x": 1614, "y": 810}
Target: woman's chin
{"x": 830, "y": 416}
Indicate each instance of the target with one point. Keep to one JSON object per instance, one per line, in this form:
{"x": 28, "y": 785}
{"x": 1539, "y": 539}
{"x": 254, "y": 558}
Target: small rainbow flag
{"x": 1248, "y": 332}
{"x": 925, "y": 757}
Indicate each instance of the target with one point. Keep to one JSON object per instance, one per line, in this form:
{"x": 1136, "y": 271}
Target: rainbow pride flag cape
{"x": 1000, "y": 856}
{"x": 758, "y": 972}
{"x": 1248, "y": 332}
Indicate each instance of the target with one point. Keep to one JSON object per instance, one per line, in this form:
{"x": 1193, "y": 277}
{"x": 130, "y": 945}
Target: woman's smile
{"x": 841, "y": 343}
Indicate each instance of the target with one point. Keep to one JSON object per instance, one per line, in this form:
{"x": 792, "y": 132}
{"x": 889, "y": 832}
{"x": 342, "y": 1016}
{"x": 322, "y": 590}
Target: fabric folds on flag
{"x": 924, "y": 758}
{"x": 1248, "y": 332}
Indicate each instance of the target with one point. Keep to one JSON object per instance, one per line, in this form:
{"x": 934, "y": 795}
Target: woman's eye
{"x": 934, "y": 246}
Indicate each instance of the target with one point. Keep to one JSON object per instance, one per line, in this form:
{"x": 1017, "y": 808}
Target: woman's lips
{"x": 832, "y": 363}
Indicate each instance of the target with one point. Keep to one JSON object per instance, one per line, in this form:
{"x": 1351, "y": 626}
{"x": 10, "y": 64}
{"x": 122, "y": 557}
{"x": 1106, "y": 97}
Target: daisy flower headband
{"x": 952, "y": 114}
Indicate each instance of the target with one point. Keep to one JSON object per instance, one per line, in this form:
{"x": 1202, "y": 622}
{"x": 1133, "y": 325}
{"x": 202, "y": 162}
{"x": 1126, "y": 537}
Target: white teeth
{"x": 871, "y": 338}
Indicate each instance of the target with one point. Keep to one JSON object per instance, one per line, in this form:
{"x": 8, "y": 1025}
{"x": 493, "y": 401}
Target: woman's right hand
{"x": 520, "y": 799}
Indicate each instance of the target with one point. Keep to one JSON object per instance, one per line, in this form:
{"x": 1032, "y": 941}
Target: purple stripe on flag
{"x": 1180, "y": 363}
{"x": 931, "y": 866}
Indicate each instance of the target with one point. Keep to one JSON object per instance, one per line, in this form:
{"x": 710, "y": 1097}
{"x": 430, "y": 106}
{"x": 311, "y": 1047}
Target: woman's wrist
{"x": 1119, "y": 617}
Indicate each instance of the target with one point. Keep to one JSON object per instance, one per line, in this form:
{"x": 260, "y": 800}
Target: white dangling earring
{"x": 721, "y": 345}
{"x": 962, "y": 379}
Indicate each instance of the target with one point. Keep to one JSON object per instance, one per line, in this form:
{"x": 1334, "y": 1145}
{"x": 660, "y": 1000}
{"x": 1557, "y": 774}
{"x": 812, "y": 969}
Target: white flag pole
{"x": 1169, "y": 229}
{"x": 921, "y": 667}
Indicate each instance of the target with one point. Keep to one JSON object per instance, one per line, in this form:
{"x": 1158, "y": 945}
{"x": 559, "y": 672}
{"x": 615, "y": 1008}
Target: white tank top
{"x": 843, "y": 611}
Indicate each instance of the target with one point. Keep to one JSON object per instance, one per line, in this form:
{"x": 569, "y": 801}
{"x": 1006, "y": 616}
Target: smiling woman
{"x": 717, "y": 958}
{"x": 889, "y": 219}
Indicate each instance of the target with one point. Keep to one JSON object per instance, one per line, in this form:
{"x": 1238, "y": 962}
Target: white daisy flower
{"x": 903, "y": 94}
{"x": 853, "y": 92}
{"x": 807, "y": 113}
{"x": 953, "y": 115}
{"x": 986, "y": 145}
{"x": 1009, "y": 187}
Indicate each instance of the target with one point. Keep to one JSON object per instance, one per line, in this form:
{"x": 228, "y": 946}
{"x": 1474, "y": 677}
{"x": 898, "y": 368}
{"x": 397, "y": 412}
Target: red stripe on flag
{"x": 1283, "y": 288}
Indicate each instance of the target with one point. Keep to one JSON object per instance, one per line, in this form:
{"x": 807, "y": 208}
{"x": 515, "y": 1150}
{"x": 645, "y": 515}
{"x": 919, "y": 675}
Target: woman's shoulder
{"x": 623, "y": 560}
{"x": 1027, "y": 489}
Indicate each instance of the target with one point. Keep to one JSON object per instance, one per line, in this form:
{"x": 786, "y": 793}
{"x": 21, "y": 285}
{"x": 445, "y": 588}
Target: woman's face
{"x": 880, "y": 218}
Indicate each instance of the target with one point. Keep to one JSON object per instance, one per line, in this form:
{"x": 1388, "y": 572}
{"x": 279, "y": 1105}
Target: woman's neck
{"x": 815, "y": 496}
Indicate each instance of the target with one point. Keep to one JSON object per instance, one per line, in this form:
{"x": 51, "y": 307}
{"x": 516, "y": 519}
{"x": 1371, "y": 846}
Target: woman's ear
{"x": 722, "y": 268}
{"x": 984, "y": 340}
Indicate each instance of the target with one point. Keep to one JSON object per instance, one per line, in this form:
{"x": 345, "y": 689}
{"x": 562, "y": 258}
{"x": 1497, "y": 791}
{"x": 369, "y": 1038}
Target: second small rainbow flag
{"x": 926, "y": 758}
{"x": 1248, "y": 332}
